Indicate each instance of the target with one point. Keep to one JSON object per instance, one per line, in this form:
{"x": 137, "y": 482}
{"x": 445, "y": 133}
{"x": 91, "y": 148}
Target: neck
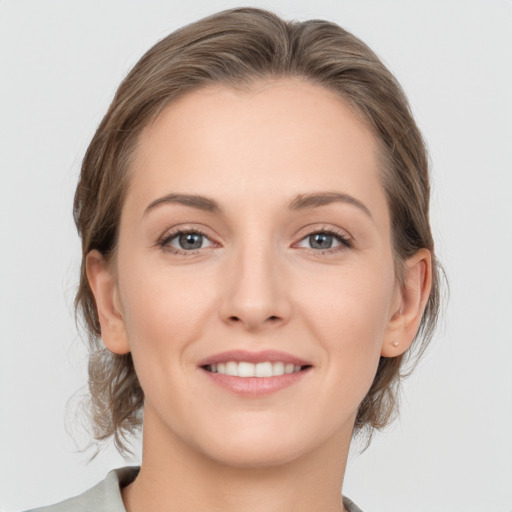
{"x": 176, "y": 477}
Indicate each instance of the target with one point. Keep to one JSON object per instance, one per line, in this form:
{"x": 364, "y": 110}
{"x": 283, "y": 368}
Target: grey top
{"x": 106, "y": 495}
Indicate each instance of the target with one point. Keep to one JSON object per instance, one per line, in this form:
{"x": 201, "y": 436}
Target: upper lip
{"x": 253, "y": 357}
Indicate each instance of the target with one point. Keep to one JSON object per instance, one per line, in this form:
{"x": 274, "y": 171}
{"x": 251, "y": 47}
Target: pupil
{"x": 321, "y": 241}
{"x": 191, "y": 241}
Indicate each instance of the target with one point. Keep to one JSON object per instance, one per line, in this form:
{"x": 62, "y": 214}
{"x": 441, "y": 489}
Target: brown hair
{"x": 236, "y": 48}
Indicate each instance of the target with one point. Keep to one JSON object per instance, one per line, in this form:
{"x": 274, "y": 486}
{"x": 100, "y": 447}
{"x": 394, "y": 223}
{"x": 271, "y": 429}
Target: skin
{"x": 257, "y": 283}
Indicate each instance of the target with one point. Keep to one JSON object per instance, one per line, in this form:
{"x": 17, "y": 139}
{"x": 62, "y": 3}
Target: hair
{"x": 237, "y": 48}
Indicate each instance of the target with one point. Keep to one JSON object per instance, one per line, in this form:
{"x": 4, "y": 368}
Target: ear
{"x": 409, "y": 303}
{"x": 104, "y": 288}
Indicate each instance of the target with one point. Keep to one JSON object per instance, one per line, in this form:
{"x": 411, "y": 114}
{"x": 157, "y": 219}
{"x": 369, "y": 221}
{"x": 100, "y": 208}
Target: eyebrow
{"x": 313, "y": 200}
{"x": 301, "y": 202}
{"x": 192, "y": 200}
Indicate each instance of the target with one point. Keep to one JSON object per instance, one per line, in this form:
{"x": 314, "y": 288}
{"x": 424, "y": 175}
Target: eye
{"x": 325, "y": 240}
{"x": 181, "y": 242}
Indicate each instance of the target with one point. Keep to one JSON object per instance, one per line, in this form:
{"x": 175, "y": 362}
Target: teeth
{"x": 288, "y": 368}
{"x": 232, "y": 368}
{"x": 244, "y": 369}
{"x": 264, "y": 370}
{"x": 278, "y": 368}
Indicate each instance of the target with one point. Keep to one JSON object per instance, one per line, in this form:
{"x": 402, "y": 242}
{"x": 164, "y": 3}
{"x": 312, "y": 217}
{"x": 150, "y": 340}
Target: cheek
{"x": 165, "y": 314}
{"x": 348, "y": 312}
{"x": 163, "y": 311}
{"x": 349, "y": 301}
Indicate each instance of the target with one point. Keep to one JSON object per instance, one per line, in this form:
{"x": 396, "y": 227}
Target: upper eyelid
{"x": 170, "y": 233}
{"x": 308, "y": 230}
{"x": 164, "y": 242}
{"x": 322, "y": 228}
{"x": 166, "y": 239}
{"x": 342, "y": 234}
{"x": 344, "y": 240}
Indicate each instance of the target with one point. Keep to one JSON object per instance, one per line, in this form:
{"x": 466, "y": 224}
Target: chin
{"x": 259, "y": 445}
{"x": 259, "y": 455}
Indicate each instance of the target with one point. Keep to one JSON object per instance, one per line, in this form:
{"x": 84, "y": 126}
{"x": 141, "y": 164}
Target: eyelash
{"x": 165, "y": 241}
{"x": 345, "y": 242}
{"x": 341, "y": 237}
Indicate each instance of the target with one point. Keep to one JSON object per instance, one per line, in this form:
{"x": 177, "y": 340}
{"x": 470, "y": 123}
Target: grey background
{"x": 60, "y": 63}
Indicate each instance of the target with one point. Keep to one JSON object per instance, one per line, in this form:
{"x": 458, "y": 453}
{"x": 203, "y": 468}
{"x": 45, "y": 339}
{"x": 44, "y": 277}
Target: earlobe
{"x": 412, "y": 298}
{"x": 104, "y": 288}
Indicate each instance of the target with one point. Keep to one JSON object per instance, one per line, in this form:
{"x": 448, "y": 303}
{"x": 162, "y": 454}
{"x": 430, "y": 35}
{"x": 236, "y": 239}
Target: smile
{"x": 247, "y": 369}
{"x": 255, "y": 374}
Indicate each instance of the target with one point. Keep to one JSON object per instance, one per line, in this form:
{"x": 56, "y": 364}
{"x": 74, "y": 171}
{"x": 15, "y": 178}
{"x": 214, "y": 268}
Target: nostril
{"x": 272, "y": 319}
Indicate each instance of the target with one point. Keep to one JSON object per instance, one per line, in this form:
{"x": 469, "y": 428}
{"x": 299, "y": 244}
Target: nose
{"x": 255, "y": 290}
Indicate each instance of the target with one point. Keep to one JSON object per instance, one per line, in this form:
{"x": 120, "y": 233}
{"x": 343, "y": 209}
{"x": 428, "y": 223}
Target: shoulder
{"x": 350, "y": 505}
{"x": 103, "y": 497}
{"x": 106, "y": 495}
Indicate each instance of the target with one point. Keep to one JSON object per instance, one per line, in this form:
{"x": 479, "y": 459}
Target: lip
{"x": 254, "y": 357}
{"x": 255, "y": 386}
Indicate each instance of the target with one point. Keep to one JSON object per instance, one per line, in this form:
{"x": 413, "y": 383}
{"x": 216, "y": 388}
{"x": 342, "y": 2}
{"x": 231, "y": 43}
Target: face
{"x": 254, "y": 280}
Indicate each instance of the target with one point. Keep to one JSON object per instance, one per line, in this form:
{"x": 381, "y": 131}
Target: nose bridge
{"x": 255, "y": 295}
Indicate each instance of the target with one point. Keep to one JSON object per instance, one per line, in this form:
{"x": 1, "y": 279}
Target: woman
{"x": 257, "y": 261}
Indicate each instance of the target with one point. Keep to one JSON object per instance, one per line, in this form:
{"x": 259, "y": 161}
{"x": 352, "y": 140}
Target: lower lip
{"x": 256, "y": 386}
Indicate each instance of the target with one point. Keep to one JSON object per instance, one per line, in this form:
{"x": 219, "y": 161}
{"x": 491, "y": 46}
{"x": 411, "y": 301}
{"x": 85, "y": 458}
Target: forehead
{"x": 275, "y": 140}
